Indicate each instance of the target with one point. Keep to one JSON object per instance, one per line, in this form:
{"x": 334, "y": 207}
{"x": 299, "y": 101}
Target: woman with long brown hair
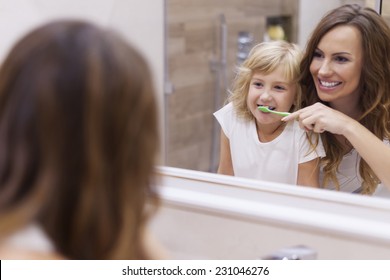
{"x": 346, "y": 97}
{"x": 78, "y": 141}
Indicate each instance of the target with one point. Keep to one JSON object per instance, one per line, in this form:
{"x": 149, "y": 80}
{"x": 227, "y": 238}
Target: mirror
{"x": 204, "y": 43}
{"x": 196, "y": 73}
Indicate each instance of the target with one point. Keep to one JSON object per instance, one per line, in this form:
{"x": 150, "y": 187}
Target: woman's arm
{"x": 320, "y": 118}
{"x": 308, "y": 173}
{"x": 225, "y": 158}
{"x": 373, "y": 150}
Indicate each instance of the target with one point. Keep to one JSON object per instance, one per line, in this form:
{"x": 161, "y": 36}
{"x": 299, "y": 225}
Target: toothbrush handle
{"x": 284, "y": 114}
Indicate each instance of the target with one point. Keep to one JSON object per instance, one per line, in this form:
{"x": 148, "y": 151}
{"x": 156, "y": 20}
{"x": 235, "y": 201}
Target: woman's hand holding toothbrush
{"x": 319, "y": 118}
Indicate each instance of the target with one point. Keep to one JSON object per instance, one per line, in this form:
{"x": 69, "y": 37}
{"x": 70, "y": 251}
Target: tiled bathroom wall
{"x": 195, "y": 70}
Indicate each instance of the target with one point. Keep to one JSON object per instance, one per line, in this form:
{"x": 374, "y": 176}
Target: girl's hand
{"x": 319, "y": 118}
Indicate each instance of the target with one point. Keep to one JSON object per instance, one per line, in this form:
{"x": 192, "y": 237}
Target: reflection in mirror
{"x": 205, "y": 41}
{"x": 385, "y": 10}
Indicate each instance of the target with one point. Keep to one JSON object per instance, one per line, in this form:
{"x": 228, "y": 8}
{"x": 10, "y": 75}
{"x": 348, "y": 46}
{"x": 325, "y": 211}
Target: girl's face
{"x": 271, "y": 90}
{"x": 336, "y": 66}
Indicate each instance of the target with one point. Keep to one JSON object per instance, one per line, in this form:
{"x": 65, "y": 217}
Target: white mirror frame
{"x": 203, "y": 214}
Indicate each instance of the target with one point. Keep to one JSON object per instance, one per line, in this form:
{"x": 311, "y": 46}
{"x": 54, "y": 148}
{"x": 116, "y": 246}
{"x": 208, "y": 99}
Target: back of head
{"x": 265, "y": 58}
{"x": 78, "y": 135}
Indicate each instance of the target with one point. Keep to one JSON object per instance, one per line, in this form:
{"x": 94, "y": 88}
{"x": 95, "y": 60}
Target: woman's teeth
{"x": 329, "y": 84}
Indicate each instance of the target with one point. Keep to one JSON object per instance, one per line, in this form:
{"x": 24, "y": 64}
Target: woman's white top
{"x": 349, "y": 176}
{"x": 275, "y": 161}
{"x": 31, "y": 237}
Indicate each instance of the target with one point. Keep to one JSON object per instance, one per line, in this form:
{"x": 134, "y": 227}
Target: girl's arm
{"x": 320, "y": 118}
{"x": 225, "y": 159}
{"x": 308, "y": 173}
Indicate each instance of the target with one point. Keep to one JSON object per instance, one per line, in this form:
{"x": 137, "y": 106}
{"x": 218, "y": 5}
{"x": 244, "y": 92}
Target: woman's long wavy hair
{"x": 78, "y": 140}
{"x": 374, "y": 84}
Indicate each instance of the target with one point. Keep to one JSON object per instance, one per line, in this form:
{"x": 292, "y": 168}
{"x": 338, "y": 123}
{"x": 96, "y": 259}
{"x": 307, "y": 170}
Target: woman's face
{"x": 336, "y": 66}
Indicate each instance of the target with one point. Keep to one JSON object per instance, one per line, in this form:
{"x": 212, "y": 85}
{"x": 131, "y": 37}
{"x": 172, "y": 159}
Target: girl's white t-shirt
{"x": 275, "y": 161}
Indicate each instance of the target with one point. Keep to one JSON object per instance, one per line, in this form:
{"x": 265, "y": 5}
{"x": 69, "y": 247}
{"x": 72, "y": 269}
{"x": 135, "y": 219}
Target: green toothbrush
{"x": 266, "y": 110}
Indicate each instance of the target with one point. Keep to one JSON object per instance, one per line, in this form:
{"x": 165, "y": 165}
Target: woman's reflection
{"x": 345, "y": 75}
